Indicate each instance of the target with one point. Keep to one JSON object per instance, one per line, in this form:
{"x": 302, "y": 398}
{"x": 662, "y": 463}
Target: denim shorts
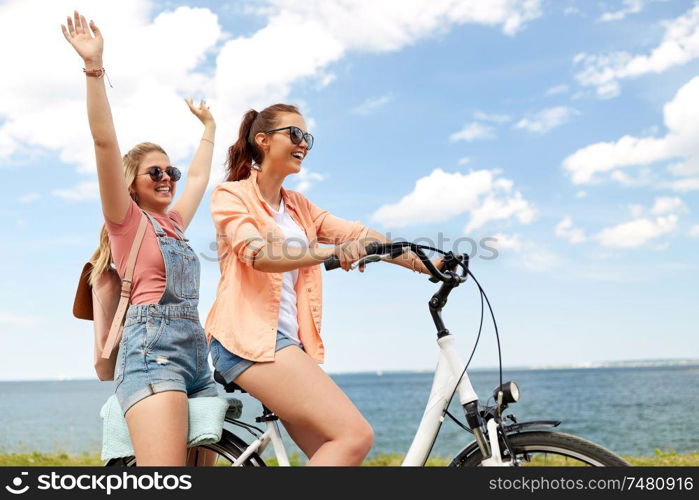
{"x": 231, "y": 366}
{"x": 163, "y": 348}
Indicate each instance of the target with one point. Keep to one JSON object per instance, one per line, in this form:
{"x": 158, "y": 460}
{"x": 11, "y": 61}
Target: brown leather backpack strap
{"x": 116, "y": 328}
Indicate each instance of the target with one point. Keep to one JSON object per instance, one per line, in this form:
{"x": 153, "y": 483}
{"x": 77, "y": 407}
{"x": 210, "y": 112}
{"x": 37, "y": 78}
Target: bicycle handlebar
{"x": 381, "y": 251}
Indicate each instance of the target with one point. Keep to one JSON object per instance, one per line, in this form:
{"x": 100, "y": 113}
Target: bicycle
{"x": 499, "y": 440}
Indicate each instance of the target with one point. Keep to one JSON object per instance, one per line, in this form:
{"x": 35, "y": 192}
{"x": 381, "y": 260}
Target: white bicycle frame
{"x": 449, "y": 370}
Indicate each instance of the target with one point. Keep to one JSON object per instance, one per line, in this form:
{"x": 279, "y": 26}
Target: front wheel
{"x": 547, "y": 449}
{"x": 227, "y": 450}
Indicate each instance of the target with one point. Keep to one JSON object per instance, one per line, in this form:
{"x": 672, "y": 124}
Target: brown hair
{"x": 102, "y": 257}
{"x": 245, "y": 151}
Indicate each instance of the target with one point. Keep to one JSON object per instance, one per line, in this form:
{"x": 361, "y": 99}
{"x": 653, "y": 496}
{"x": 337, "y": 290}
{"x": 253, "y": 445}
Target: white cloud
{"x": 567, "y": 231}
{"x": 481, "y": 194}
{"x": 666, "y": 205}
{"x": 306, "y": 179}
{"x": 682, "y": 185}
{"x": 636, "y": 233}
{"x": 680, "y": 45}
{"x": 80, "y": 192}
{"x": 491, "y": 117}
{"x": 644, "y": 178}
{"x": 29, "y": 197}
{"x": 472, "y": 132}
{"x": 546, "y": 119}
{"x": 152, "y": 65}
{"x": 630, "y": 7}
{"x": 494, "y": 207}
{"x": 694, "y": 231}
{"x": 464, "y": 160}
{"x": 506, "y": 242}
{"x": 531, "y": 256}
{"x": 680, "y": 144}
{"x": 580, "y": 194}
{"x": 557, "y": 89}
{"x": 372, "y": 104}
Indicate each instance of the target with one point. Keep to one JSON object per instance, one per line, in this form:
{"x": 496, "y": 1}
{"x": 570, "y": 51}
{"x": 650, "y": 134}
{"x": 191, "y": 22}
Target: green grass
{"x": 659, "y": 459}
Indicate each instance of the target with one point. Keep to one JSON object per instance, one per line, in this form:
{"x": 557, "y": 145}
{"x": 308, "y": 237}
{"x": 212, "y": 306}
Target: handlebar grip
{"x": 331, "y": 263}
{"x": 373, "y": 248}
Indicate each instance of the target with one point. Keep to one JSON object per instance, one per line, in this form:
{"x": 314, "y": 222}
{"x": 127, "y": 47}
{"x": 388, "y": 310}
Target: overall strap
{"x": 159, "y": 231}
{"x": 179, "y": 232}
{"x": 116, "y": 328}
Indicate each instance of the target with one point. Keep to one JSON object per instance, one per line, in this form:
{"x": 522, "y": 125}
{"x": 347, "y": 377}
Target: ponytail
{"x": 245, "y": 151}
{"x": 241, "y": 154}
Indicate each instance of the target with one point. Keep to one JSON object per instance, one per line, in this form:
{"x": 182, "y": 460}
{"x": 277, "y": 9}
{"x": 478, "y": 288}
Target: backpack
{"x": 105, "y": 303}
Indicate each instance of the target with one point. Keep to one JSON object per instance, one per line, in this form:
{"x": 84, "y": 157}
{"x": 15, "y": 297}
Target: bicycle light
{"x": 510, "y": 392}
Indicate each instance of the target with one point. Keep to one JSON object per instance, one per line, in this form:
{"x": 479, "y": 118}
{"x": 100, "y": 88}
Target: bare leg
{"x": 158, "y": 428}
{"x": 328, "y": 426}
{"x": 306, "y": 439}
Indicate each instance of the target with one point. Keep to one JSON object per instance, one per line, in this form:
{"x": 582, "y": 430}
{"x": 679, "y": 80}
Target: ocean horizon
{"x": 630, "y": 410}
{"x": 638, "y": 363}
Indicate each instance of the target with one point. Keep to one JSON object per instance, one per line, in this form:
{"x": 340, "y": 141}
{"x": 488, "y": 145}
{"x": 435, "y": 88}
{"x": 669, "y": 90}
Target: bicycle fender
{"x": 535, "y": 424}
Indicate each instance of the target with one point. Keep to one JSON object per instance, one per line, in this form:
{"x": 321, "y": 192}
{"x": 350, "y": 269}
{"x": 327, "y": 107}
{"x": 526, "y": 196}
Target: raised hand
{"x": 85, "y": 38}
{"x": 202, "y": 112}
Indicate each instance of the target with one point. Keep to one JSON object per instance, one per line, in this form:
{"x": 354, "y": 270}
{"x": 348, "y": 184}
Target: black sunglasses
{"x": 296, "y": 135}
{"x": 156, "y": 173}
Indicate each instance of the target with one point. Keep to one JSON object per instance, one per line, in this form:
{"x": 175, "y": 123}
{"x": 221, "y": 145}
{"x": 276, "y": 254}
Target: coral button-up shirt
{"x": 244, "y": 315}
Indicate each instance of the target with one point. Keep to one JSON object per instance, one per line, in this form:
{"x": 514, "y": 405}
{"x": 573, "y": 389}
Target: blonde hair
{"x": 102, "y": 257}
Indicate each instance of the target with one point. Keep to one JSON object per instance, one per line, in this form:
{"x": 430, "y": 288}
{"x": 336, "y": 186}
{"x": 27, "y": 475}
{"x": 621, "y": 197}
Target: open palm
{"x": 80, "y": 35}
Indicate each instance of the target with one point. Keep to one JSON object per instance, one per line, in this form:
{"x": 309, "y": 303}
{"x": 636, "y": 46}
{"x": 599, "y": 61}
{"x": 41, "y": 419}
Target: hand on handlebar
{"x": 349, "y": 252}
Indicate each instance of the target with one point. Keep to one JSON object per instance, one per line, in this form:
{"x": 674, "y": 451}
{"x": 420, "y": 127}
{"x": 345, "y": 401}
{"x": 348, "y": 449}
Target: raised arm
{"x": 200, "y": 168}
{"x": 87, "y": 41}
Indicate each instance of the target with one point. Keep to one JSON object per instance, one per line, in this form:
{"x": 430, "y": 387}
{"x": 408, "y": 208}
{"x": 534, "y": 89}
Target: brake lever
{"x": 449, "y": 263}
{"x": 368, "y": 259}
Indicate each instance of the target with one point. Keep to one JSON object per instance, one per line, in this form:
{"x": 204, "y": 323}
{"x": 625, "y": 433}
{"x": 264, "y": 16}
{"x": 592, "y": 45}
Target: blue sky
{"x": 567, "y": 130}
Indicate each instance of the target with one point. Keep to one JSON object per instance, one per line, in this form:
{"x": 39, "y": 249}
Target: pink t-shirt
{"x": 149, "y": 274}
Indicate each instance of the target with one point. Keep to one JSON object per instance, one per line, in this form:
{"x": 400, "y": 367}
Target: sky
{"x": 566, "y": 131}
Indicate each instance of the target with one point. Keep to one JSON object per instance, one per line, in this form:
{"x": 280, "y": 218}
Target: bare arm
{"x": 113, "y": 190}
{"x": 274, "y": 259}
{"x": 200, "y": 168}
{"x": 407, "y": 259}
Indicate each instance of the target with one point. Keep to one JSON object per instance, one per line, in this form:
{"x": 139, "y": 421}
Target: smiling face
{"x": 154, "y": 196}
{"x": 280, "y": 154}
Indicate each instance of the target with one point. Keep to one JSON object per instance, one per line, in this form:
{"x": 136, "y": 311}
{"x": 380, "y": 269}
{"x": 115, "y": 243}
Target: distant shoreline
{"x": 645, "y": 363}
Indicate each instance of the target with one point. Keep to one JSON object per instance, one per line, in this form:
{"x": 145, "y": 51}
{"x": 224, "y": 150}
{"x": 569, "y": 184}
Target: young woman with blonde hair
{"x": 163, "y": 352}
{"x": 265, "y": 322}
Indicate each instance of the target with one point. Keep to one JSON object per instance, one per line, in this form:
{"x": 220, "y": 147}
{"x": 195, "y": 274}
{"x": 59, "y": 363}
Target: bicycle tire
{"x": 555, "y": 443}
{"x": 230, "y": 447}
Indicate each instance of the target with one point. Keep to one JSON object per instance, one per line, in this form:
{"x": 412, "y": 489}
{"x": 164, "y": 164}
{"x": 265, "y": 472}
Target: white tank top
{"x": 294, "y": 236}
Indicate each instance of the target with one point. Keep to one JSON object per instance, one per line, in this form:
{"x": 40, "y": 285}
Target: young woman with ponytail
{"x": 269, "y": 293}
{"x": 163, "y": 352}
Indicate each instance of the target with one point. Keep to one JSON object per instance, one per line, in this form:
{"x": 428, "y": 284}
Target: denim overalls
{"x": 164, "y": 346}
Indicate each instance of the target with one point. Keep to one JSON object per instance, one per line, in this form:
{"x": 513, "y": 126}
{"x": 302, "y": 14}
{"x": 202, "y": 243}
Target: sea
{"x": 629, "y": 410}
